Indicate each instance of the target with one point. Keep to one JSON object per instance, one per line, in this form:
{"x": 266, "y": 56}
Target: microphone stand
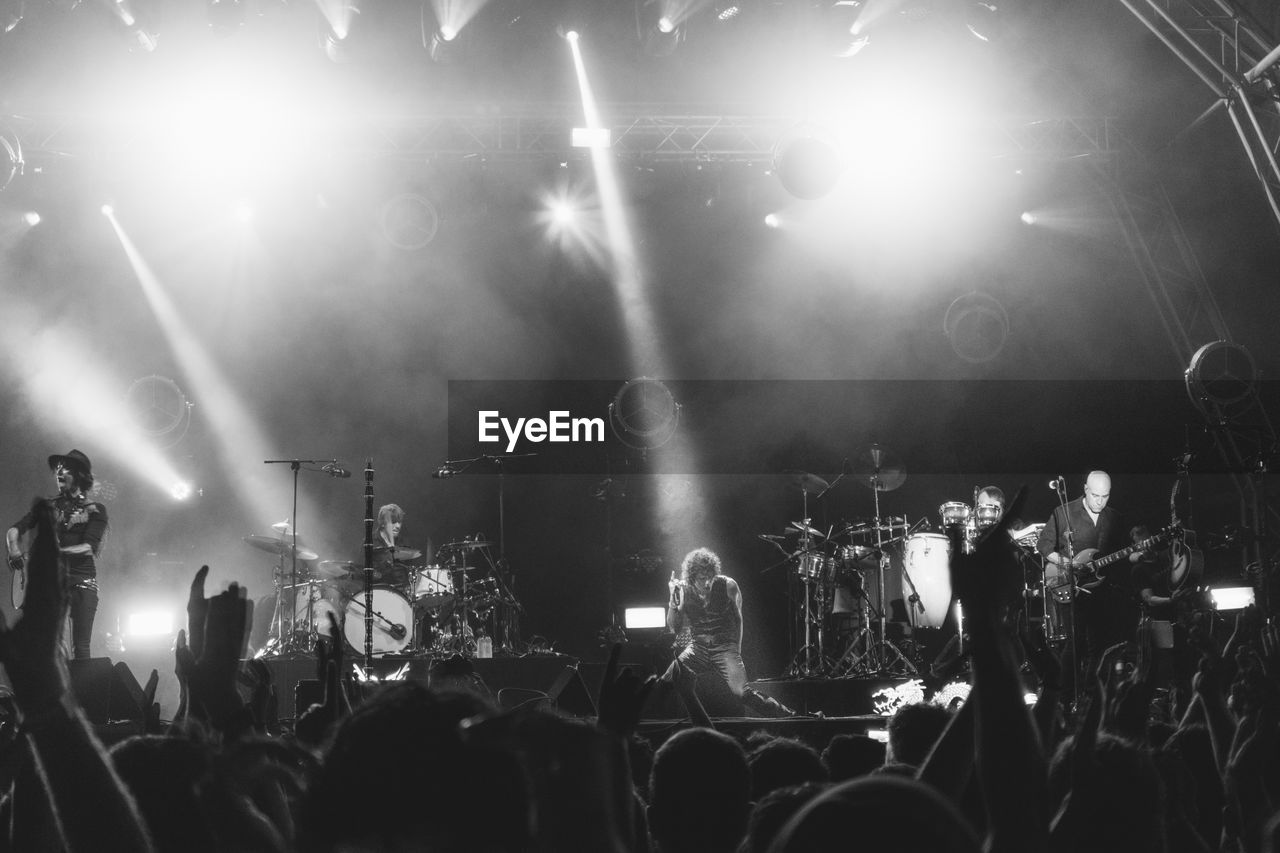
{"x": 1072, "y": 591}
{"x": 509, "y": 603}
{"x": 289, "y": 647}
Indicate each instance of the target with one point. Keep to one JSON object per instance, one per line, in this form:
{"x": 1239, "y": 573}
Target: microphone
{"x": 1056, "y": 484}
{"x": 333, "y": 469}
{"x": 398, "y": 631}
{"x": 444, "y": 472}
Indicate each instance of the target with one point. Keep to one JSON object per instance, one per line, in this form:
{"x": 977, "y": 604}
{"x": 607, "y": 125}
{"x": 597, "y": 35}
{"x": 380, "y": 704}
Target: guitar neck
{"x": 1103, "y": 562}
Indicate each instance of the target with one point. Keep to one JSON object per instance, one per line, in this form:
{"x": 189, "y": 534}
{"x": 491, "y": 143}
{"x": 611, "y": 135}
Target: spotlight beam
{"x": 680, "y": 513}
{"x": 241, "y": 443}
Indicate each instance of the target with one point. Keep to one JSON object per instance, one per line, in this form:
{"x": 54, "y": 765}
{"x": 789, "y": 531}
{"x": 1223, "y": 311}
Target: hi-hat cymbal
{"x": 278, "y": 546}
{"x": 877, "y": 467}
{"x": 284, "y": 527}
{"x": 801, "y": 527}
{"x": 810, "y": 483}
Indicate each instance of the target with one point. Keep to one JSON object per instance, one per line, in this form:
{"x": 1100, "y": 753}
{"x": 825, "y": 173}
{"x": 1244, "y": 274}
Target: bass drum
{"x": 925, "y": 565}
{"x": 392, "y": 622}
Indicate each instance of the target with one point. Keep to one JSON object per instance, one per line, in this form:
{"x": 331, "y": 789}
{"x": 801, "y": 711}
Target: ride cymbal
{"x": 810, "y": 483}
{"x": 276, "y": 546}
{"x": 877, "y": 467}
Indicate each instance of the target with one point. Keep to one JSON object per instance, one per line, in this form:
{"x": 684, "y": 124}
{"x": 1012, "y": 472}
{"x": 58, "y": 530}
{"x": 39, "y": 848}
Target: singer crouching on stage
{"x": 706, "y": 604}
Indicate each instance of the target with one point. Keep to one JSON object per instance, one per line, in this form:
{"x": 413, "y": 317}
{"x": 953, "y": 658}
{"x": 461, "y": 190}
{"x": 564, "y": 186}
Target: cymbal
{"x": 887, "y": 524}
{"x": 810, "y": 483}
{"x": 336, "y": 568}
{"x": 801, "y": 527}
{"x": 278, "y": 546}
{"x": 877, "y": 467}
{"x": 465, "y": 544}
{"x": 398, "y": 553}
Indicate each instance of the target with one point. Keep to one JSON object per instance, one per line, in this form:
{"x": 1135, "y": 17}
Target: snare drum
{"x": 954, "y": 513}
{"x": 926, "y": 561}
{"x": 432, "y": 587}
{"x": 392, "y": 622}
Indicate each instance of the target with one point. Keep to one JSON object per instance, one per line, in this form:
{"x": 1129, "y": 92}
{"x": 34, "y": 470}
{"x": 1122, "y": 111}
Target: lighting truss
{"x": 1234, "y": 56}
{"x": 696, "y": 135}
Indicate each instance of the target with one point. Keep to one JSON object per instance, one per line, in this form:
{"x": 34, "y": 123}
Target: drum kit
{"x": 851, "y": 576}
{"x": 418, "y": 609}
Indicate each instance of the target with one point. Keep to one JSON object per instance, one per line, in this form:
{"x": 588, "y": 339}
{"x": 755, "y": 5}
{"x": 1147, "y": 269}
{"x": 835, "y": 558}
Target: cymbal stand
{"x": 509, "y": 617}
{"x": 291, "y": 645}
{"x": 873, "y": 653}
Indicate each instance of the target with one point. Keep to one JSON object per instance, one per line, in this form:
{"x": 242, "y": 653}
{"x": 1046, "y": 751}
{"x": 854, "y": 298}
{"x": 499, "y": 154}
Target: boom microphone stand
{"x": 453, "y": 467}
{"x": 290, "y": 646}
{"x": 1073, "y": 592}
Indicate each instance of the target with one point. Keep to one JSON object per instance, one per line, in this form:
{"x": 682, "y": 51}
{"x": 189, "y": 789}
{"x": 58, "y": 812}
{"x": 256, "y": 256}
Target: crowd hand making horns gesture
{"x": 88, "y": 798}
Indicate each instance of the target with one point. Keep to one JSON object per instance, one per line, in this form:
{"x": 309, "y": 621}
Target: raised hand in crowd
{"x": 316, "y": 721}
{"x": 1127, "y": 691}
{"x": 622, "y": 696}
{"x": 1009, "y": 757}
{"x": 1250, "y": 793}
{"x": 217, "y": 630}
{"x": 93, "y": 809}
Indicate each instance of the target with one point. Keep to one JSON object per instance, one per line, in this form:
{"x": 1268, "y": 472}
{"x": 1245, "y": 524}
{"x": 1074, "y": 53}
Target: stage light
{"x": 591, "y": 137}
{"x": 983, "y": 20}
{"x": 31, "y": 218}
{"x": 11, "y": 164}
{"x": 11, "y": 12}
{"x": 844, "y": 28}
{"x": 448, "y": 33}
{"x": 665, "y": 25}
{"x": 107, "y": 210}
{"x": 727, "y": 11}
{"x": 772, "y": 221}
{"x": 1028, "y": 217}
{"x": 442, "y": 48}
{"x": 562, "y": 213}
{"x": 181, "y": 490}
{"x": 1030, "y": 699}
{"x": 1231, "y": 597}
{"x": 645, "y": 617}
{"x": 225, "y": 16}
{"x": 807, "y": 165}
{"x": 571, "y": 35}
{"x": 149, "y": 623}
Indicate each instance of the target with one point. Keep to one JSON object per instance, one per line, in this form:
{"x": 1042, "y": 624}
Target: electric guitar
{"x": 1087, "y": 568}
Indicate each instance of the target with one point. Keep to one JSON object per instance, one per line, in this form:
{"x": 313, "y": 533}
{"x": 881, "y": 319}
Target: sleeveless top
{"x": 717, "y": 621}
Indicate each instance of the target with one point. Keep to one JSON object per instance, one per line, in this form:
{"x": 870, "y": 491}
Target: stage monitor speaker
{"x": 106, "y": 692}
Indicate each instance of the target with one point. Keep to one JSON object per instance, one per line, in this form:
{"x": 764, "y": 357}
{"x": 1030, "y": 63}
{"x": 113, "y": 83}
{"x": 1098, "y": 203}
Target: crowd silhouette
{"x": 442, "y": 767}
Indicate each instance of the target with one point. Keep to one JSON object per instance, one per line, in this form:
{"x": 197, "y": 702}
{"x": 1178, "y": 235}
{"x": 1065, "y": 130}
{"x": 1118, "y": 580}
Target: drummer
{"x": 386, "y": 569}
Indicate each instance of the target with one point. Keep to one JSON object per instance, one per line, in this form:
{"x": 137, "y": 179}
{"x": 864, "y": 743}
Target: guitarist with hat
{"x": 81, "y": 525}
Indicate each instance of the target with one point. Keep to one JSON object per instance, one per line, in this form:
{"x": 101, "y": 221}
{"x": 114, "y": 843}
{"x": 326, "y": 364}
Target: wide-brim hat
{"x": 74, "y": 460}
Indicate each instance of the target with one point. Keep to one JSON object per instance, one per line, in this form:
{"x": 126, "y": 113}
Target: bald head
{"x": 1097, "y": 491}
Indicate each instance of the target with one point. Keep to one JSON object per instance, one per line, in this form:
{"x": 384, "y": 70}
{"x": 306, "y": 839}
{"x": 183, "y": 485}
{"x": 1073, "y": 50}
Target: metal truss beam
{"x": 1234, "y": 56}
{"x": 699, "y": 135}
